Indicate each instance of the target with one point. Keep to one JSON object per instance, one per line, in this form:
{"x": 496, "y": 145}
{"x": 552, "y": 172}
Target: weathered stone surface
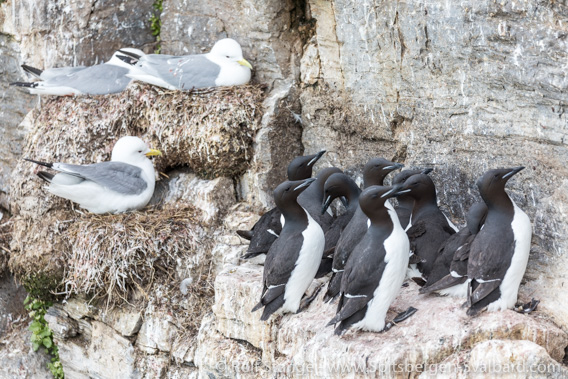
{"x": 79, "y": 307}
{"x": 213, "y": 197}
{"x": 54, "y": 34}
{"x": 182, "y": 372}
{"x": 158, "y": 332}
{"x": 12, "y": 298}
{"x": 439, "y": 329}
{"x": 498, "y": 358}
{"x": 217, "y": 356}
{"x": 61, "y": 324}
{"x": 17, "y": 357}
{"x": 15, "y": 105}
{"x": 154, "y": 366}
{"x": 100, "y": 353}
{"x": 183, "y": 351}
{"x": 124, "y": 320}
{"x": 235, "y": 290}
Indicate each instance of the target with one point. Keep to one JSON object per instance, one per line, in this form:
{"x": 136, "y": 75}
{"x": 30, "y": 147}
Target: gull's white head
{"x": 228, "y": 48}
{"x": 116, "y": 61}
{"x": 132, "y": 150}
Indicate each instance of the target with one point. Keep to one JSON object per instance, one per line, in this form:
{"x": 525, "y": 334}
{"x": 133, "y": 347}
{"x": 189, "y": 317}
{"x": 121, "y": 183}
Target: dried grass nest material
{"x": 112, "y": 255}
{"x": 210, "y": 130}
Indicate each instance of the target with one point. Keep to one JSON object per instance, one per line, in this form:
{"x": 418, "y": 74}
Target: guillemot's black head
{"x": 402, "y": 176}
{"x": 286, "y": 193}
{"x": 376, "y": 170}
{"x": 342, "y": 186}
{"x": 372, "y": 200}
{"x": 419, "y": 187}
{"x": 316, "y": 189}
{"x": 301, "y": 167}
{"x": 492, "y": 183}
{"x": 476, "y": 217}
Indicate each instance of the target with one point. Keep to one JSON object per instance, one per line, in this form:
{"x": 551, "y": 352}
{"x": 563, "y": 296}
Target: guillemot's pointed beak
{"x": 153, "y": 152}
{"x": 306, "y": 183}
{"x": 394, "y": 166}
{"x": 395, "y": 191}
{"x": 326, "y": 204}
{"x": 426, "y": 171}
{"x": 513, "y": 172}
{"x": 244, "y": 62}
{"x": 316, "y": 157}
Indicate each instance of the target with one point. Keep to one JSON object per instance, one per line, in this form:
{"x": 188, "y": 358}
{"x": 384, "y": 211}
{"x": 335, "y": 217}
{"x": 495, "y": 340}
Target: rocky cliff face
{"x": 460, "y": 87}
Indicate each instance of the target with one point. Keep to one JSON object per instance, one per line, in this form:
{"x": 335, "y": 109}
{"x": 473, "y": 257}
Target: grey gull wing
{"x": 120, "y": 177}
{"x": 185, "y": 72}
{"x": 101, "y": 79}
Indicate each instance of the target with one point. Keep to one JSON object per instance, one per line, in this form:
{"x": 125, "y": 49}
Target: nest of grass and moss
{"x": 57, "y": 250}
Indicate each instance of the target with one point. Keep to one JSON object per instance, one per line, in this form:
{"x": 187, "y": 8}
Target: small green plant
{"x": 156, "y": 24}
{"x": 42, "y": 334}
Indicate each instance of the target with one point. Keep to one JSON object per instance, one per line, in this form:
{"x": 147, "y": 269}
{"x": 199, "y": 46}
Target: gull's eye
{"x": 228, "y": 56}
{"x": 139, "y": 151}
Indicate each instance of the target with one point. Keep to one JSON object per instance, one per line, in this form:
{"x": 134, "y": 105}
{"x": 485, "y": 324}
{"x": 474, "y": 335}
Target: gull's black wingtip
{"x": 130, "y": 54}
{"x": 46, "y": 164}
{"x": 24, "y": 84}
{"x": 45, "y": 176}
{"x": 32, "y": 70}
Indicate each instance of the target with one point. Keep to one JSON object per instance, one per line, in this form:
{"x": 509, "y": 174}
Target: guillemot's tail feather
{"x": 272, "y": 307}
{"x": 480, "y": 295}
{"x": 246, "y": 234}
{"x": 446, "y": 282}
{"x": 257, "y": 307}
{"x": 250, "y": 255}
{"x": 333, "y": 287}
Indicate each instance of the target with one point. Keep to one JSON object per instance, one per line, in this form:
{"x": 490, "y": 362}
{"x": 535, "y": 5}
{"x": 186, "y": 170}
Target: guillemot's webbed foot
{"x": 404, "y": 315}
{"x": 400, "y": 317}
{"x": 306, "y": 301}
{"x": 528, "y": 307}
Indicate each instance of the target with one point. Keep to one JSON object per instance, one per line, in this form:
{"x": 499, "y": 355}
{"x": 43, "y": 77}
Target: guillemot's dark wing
{"x": 264, "y": 233}
{"x": 278, "y": 266}
{"x": 443, "y": 262}
{"x": 351, "y": 236}
{"x": 362, "y": 275}
{"x": 489, "y": 259}
{"x": 426, "y": 238}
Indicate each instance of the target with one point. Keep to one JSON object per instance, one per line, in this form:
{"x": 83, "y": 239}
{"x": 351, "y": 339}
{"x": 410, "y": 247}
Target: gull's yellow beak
{"x": 153, "y": 152}
{"x": 245, "y": 63}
